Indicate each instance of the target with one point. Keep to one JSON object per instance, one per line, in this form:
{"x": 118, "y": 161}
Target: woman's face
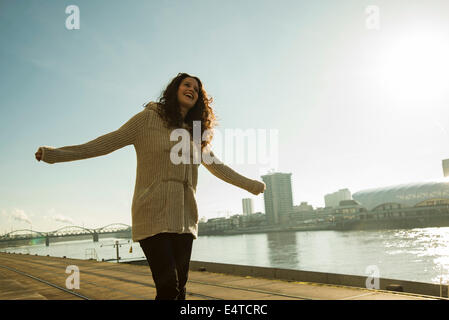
{"x": 188, "y": 92}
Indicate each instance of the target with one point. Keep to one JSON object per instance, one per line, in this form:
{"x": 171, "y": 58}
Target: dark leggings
{"x": 168, "y": 255}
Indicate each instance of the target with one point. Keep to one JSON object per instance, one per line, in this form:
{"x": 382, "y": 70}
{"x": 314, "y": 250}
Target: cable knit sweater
{"x": 164, "y": 193}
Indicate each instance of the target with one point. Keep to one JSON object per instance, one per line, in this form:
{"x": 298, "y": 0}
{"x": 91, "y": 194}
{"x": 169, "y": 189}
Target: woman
{"x": 164, "y": 210}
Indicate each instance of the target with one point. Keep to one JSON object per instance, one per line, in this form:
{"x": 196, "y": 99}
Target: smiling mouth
{"x": 189, "y": 96}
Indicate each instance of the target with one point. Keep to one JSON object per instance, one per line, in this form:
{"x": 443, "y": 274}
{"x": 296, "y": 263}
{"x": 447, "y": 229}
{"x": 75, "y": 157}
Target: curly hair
{"x": 169, "y": 109}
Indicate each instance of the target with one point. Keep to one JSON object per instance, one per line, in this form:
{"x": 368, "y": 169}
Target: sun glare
{"x": 415, "y": 67}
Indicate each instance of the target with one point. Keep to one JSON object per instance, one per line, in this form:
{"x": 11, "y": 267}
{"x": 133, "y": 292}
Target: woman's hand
{"x": 258, "y": 188}
{"x": 38, "y": 155}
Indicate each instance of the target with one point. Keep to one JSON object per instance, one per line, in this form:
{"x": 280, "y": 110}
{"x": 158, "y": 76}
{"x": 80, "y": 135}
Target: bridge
{"x": 67, "y": 231}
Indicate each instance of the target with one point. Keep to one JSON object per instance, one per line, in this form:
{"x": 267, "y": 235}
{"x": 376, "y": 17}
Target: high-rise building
{"x": 278, "y": 197}
{"x": 248, "y": 207}
{"x": 446, "y": 167}
{"x": 333, "y": 199}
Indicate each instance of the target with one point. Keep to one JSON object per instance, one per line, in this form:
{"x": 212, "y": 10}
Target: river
{"x": 415, "y": 254}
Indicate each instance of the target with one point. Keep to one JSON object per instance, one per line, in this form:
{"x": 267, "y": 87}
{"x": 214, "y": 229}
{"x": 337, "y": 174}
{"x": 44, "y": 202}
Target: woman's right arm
{"x": 102, "y": 145}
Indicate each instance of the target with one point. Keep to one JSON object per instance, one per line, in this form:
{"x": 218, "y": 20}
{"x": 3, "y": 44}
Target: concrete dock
{"x": 28, "y": 277}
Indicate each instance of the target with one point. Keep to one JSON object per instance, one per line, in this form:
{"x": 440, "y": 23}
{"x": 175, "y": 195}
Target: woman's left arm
{"x": 225, "y": 173}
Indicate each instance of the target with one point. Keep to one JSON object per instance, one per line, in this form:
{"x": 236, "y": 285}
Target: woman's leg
{"x": 160, "y": 255}
{"x": 183, "y": 249}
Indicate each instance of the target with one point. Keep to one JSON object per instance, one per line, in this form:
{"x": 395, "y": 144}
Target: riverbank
{"x": 318, "y": 278}
{"x": 25, "y": 277}
{"x": 349, "y": 225}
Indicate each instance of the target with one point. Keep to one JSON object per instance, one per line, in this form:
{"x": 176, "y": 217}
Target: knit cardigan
{"x": 164, "y": 192}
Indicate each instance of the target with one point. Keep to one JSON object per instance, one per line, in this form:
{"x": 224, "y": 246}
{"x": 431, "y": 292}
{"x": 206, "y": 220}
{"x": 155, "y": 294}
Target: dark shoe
{"x": 182, "y": 294}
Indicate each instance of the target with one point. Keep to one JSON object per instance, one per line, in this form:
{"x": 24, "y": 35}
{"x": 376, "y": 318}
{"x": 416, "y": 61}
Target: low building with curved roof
{"x": 404, "y": 195}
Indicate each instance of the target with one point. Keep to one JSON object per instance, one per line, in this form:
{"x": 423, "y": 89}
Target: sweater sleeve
{"x": 107, "y": 143}
{"x": 225, "y": 173}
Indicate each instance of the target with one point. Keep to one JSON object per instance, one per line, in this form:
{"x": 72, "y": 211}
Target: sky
{"x": 356, "y": 91}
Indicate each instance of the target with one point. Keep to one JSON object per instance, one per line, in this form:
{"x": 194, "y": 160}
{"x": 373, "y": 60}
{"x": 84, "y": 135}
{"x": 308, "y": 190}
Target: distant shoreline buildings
{"x": 333, "y": 199}
{"x": 406, "y": 205}
{"x": 248, "y": 206}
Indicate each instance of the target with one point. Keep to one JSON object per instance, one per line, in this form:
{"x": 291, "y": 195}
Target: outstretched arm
{"x": 102, "y": 145}
{"x": 225, "y": 173}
